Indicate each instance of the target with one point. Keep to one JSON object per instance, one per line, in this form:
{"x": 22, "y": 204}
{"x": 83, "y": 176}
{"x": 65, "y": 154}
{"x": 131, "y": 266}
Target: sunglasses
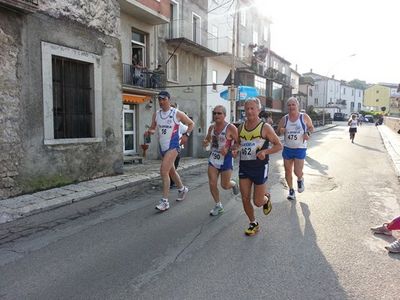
{"x": 217, "y": 113}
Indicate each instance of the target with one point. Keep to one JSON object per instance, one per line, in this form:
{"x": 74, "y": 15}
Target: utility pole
{"x": 232, "y": 88}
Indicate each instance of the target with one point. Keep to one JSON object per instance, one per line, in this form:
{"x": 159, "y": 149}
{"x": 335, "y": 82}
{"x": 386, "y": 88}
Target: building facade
{"x": 59, "y": 119}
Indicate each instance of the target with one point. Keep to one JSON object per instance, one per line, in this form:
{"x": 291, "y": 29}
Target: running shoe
{"x": 163, "y": 205}
{"x": 292, "y": 195}
{"x": 381, "y": 229}
{"x": 267, "y": 207}
{"x": 393, "y": 247}
{"x": 182, "y": 194}
{"x": 253, "y": 229}
{"x": 235, "y": 188}
{"x": 300, "y": 185}
{"x": 217, "y": 210}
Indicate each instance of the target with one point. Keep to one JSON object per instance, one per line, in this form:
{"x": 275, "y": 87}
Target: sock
{"x": 181, "y": 190}
{"x": 219, "y": 204}
{"x": 164, "y": 200}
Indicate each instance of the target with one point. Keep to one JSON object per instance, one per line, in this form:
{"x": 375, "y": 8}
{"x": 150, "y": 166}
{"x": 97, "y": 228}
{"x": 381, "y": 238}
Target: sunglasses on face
{"x": 217, "y": 113}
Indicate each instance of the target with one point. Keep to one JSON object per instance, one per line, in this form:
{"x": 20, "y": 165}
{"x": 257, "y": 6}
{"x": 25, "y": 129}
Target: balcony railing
{"x": 21, "y": 5}
{"x": 275, "y": 75}
{"x": 181, "y": 28}
{"x": 142, "y": 77}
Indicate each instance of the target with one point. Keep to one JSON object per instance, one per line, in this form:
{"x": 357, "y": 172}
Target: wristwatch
{"x": 187, "y": 133}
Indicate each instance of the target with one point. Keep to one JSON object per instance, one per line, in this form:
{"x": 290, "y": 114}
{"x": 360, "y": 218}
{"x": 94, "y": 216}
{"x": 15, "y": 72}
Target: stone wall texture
{"x": 10, "y": 102}
{"x": 101, "y": 15}
{"x": 26, "y": 163}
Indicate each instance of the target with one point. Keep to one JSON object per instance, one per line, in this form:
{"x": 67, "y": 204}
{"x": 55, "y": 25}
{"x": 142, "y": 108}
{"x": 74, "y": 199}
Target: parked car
{"x": 338, "y": 116}
{"x": 369, "y": 118}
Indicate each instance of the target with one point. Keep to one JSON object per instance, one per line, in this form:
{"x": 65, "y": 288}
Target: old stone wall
{"x": 10, "y": 102}
{"x": 101, "y": 15}
{"x": 393, "y": 123}
{"x": 27, "y": 164}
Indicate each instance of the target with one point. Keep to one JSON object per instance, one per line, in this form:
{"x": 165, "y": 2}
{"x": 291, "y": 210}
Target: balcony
{"x": 275, "y": 75}
{"x": 185, "y": 35}
{"x": 25, "y": 6}
{"x": 153, "y": 13}
{"x": 141, "y": 78}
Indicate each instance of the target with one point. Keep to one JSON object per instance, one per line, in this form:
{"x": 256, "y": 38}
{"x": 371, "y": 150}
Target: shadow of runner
{"x": 306, "y": 272}
{"x": 367, "y": 147}
{"x": 316, "y": 165}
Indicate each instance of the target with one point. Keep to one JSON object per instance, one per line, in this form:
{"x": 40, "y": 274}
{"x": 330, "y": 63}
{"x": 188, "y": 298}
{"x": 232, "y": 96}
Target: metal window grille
{"x": 72, "y": 98}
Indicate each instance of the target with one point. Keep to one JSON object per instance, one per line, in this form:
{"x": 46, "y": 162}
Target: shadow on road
{"x": 367, "y": 147}
{"x": 316, "y": 165}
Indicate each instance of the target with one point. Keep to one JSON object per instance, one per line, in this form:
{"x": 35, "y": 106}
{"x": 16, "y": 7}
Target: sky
{"x": 346, "y": 38}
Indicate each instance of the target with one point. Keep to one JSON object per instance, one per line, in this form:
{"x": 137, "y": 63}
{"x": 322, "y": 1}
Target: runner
{"x": 254, "y": 138}
{"x": 167, "y": 121}
{"x": 296, "y": 128}
{"x": 222, "y": 135}
{"x": 353, "y": 127}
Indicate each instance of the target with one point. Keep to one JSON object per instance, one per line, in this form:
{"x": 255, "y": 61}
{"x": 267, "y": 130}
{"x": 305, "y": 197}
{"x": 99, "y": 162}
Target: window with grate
{"x": 72, "y": 98}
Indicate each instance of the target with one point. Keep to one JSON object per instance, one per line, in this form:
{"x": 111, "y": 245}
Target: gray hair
{"x": 293, "y": 99}
{"x": 255, "y": 100}
{"x": 222, "y": 108}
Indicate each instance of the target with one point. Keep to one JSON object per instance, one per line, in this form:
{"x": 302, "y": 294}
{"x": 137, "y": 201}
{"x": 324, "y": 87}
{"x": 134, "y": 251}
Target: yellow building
{"x": 377, "y": 96}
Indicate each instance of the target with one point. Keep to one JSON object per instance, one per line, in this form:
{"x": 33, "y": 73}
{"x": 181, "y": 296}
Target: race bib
{"x": 216, "y": 158}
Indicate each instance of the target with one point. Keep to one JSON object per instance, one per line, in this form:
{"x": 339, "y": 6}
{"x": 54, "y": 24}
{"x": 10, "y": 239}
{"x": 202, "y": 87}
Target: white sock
{"x": 181, "y": 190}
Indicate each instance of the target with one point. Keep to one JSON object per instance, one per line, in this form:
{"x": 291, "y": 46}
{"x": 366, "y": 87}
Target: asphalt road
{"x": 318, "y": 247}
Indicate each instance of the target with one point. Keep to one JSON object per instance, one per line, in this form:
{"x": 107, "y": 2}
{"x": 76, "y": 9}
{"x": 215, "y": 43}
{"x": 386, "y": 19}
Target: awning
{"x": 135, "y": 99}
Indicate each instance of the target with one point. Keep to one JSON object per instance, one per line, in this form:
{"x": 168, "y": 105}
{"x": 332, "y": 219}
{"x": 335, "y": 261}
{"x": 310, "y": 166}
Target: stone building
{"x": 60, "y": 78}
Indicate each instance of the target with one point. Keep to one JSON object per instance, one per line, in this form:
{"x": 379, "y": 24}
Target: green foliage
{"x": 358, "y": 84}
{"x": 39, "y": 183}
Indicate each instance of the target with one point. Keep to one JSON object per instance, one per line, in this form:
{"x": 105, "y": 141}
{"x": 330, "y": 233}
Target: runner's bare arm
{"x": 309, "y": 123}
{"x": 207, "y": 139}
{"x": 281, "y": 129}
{"x": 269, "y": 133}
{"x": 152, "y": 128}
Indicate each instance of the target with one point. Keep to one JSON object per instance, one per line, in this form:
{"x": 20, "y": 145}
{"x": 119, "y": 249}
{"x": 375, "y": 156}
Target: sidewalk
{"x": 391, "y": 140}
{"x": 134, "y": 174}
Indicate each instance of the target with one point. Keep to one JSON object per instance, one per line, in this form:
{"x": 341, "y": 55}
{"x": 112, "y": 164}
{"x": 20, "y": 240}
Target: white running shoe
{"x": 394, "y": 247}
{"x": 182, "y": 194}
{"x": 163, "y": 205}
{"x": 381, "y": 229}
{"x": 235, "y": 188}
{"x": 292, "y": 195}
{"x": 218, "y": 209}
{"x": 300, "y": 185}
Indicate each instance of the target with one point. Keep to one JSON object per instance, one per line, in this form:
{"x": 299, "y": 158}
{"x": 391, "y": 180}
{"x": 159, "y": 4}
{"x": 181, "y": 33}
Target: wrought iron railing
{"x": 181, "y": 28}
{"x": 142, "y": 77}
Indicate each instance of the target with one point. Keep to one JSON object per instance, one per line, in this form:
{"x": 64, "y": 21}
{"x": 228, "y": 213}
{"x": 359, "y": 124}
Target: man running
{"x": 254, "y": 137}
{"x": 296, "y": 128}
{"x": 222, "y": 135}
{"x": 167, "y": 121}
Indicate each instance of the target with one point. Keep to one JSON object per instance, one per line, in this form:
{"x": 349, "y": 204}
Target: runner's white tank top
{"x": 294, "y": 133}
{"x": 353, "y": 123}
{"x": 168, "y": 129}
{"x": 218, "y": 141}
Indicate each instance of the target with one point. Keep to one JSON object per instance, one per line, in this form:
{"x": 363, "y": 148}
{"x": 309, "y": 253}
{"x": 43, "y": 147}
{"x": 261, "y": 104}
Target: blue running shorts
{"x": 297, "y": 153}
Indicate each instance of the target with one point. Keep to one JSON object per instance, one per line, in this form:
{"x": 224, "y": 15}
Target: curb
{"x": 30, "y": 204}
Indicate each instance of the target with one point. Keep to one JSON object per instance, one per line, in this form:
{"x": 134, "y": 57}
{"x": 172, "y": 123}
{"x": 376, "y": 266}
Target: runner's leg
{"x": 167, "y": 164}
{"x": 245, "y": 190}
{"x": 298, "y": 168}
{"x": 288, "y": 164}
{"x": 213, "y": 182}
{"x": 226, "y": 182}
